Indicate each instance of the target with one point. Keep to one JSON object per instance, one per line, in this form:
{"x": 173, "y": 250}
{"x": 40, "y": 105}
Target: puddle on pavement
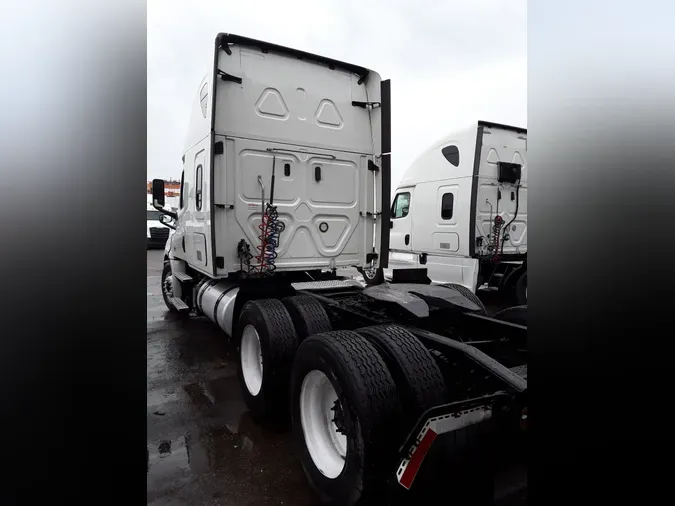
{"x": 219, "y": 399}
{"x": 202, "y": 446}
{"x": 246, "y": 459}
{"x": 161, "y": 396}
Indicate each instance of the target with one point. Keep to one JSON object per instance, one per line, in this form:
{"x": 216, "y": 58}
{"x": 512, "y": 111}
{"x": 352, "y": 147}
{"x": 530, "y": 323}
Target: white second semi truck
{"x": 460, "y": 211}
{"x": 285, "y": 179}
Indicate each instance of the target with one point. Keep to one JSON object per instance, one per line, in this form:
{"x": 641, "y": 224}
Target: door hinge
{"x": 368, "y": 213}
{"x": 357, "y": 103}
{"x": 229, "y": 77}
{"x": 218, "y": 148}
{"x": 372, "y": 166}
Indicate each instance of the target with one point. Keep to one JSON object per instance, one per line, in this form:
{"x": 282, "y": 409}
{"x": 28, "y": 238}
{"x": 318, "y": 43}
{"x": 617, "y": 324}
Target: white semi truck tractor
{"x": 460, "y": 211}
{"x": 391, "y": 390}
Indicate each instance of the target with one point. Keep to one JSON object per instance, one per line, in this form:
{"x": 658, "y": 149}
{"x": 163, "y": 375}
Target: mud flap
{"x": 452, "y": 451}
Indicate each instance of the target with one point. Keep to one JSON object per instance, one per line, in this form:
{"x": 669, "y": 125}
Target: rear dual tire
{"x": 308, "y": 315}
{"x": 268, "y": 333}
{"x": 267, "y": 343}
{"x": 383, "y": 379}
{"x": 419, "y": 381}
{"x": 352, "y": 395}
{"x": 349, "y": 370}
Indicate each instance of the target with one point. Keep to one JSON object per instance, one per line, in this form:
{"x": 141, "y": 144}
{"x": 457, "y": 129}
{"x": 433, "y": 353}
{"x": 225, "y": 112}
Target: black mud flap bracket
{"x": 444, "y": 419}
{"x": 365, "y": 105}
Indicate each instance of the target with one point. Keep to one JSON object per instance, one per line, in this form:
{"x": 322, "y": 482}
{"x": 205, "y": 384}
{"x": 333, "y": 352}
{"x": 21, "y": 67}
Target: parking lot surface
{"x": 203, "y": 447}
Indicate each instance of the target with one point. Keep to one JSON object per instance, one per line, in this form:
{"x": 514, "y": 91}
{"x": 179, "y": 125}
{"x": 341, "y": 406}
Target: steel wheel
{"x": 372, "y": 275}
{"x": 320, "y": 415}
{"x": 167, "y": 286}
{"x": 251, "y": 360}
{"x": 370, "y": 272}
{"x": 520, "y": 290}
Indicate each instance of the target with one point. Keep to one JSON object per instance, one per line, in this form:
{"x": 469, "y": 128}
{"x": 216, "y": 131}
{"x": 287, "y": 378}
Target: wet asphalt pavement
{"x": 203, "y": 447}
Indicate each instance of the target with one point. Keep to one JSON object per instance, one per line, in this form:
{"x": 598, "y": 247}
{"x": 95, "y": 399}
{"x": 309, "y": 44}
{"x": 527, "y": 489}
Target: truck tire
{"x": 515, "y": 314}
{"x": 267, "y": 343}
{"x": 166, "y": 286}
{"x": 520, "y": 290}
{"x": 343, "y": 399}
{"x": 418, "y": 378}
{"x": 372, "y": 278}
{"x": 308, "y": 315}
{"x": 469, "y": 295}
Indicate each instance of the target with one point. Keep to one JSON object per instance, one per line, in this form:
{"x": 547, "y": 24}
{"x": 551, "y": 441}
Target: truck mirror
{"x": 158, "y": 192}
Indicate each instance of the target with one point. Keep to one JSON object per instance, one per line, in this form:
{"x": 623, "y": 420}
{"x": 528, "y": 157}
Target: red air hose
{"x": 496, "y": 231}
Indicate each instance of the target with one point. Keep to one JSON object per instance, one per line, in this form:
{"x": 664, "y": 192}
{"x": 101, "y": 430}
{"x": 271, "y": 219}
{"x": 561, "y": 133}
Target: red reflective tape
{"x": 417, "y": 458}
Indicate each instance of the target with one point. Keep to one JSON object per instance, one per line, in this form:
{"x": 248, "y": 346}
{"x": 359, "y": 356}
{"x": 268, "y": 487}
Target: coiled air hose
{"x": 270, "y": 231}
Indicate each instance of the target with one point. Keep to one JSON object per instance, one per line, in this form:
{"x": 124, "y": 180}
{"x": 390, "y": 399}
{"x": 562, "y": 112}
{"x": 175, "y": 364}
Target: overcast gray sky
{"x": 450, "y": 62}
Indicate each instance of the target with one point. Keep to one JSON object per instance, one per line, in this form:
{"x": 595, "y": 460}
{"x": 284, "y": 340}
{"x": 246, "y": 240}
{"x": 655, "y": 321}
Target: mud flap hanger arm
{"x": 365, "y": 105}
{"x": 229, "y": 77}
{"x": 440, "y": 420}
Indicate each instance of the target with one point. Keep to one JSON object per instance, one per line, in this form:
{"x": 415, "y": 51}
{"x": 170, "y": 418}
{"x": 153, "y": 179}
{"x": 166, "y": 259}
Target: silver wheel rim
{"x": 251, "y": 360}
{"x": 326, "y": 446}
{"x": 167, "y": 286}
{"x": 370, "y": 272}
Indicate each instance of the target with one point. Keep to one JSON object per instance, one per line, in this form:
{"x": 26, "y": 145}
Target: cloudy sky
{"x": 450, "y": 62}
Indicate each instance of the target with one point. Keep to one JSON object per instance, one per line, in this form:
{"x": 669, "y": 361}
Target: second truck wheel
{"x": 167, "y": 286}
{"x": 520, "y": 290}
{"x": 267, "y": 343}
{"x": 469, "y": 295}
{"x": 372, "y": 277}
{"x": 343, "y": 399}
{"x": 515, "y": 314}
{"x": 418, "y": 378}
{"x": 308, "y": 315}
